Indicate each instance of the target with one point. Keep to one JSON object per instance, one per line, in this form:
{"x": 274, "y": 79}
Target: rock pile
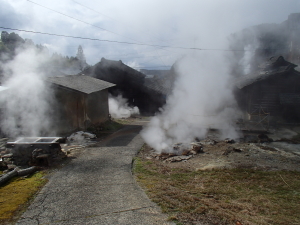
{"x": 82, "y": 138}
{"x": 181, "y": 152}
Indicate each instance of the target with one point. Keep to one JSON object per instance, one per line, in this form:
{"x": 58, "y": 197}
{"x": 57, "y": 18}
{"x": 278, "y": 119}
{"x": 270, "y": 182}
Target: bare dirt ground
{"x": 254, "y": 150}
{"x": 217, "y": 193}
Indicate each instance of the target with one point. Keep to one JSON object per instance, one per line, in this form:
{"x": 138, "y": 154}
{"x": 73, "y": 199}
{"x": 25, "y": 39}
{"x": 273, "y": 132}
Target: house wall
{"x": 75, "y": 110}
{"x": 263, "y": 98}
{"x": 97, "y": 110}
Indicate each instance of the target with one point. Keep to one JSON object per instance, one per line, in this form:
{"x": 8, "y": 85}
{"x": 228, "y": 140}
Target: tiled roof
{"x": 81, "y": 83}
{"x": 279, "y": 66}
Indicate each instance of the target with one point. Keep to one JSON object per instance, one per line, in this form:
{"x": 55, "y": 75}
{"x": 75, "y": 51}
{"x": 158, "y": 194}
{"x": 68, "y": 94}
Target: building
{"x": 80, "y": 102}
{"x": 133, "y": 85}
{"x": 271, "y": 93}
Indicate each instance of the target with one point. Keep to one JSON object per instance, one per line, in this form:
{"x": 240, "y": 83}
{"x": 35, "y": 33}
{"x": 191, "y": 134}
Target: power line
{"x": 84, "y": 38}
{"x": 119, "y": 22}
{"x": 94, "y": 11}
{"x": 79, "y": 20}
{"x": 110, "y": 17}
{"x": 139, "y": 43}
{"x": 121, "y": 42}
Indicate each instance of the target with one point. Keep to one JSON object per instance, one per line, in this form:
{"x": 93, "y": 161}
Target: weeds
{"x": 15, "y": 195}
{"x": 222, "y": 196}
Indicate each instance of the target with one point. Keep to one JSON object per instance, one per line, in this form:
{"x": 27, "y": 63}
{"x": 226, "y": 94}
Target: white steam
{"x": 119, "y": 108}
{"x": 201, "y": 99}
{"x": 245, "y": 62}
{"x": 26, "y": 104}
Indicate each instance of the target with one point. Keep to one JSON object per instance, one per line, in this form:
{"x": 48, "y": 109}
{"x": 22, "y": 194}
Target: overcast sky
{"x": 176, "y": 23}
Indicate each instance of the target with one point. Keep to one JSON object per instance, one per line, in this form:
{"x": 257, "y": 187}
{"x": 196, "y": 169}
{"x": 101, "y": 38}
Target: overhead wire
{"x": 68, "y": 36}
{"x": 84, "y": 6}
{"x": 71, "y": 17}
{"x": 159, "y": 57}
{"x": 161, "y": 47}
{"x": 123, "y": 42}
{"x": 87, "y": 22}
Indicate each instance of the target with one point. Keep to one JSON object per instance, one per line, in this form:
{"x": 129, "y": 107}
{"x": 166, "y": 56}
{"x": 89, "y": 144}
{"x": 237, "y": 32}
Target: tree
{"x": 4, "y": 36}
{"x": 81, "y": 58}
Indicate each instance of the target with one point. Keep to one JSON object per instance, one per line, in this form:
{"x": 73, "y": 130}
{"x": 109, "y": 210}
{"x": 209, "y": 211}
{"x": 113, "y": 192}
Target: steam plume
{"x": 26, "y": 105}
{"x": 119, "y": 108}
{"x": 201, "y": 99}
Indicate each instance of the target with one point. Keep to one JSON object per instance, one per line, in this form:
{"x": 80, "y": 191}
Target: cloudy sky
{"x": 143, "y": 27}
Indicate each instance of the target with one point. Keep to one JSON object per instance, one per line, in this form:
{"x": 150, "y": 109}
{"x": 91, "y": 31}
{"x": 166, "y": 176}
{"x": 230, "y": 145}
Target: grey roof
{"x": 158, "y": 85}
{"x": 117, "y": 73}
{"x": 162, "y": 82}
{"x": 154, "y": 72}
{"x": 106, "y": 63}
{"x": 277, "y": 67}
{"x": 262, "y": 75}
{"x": 81, "y": 83}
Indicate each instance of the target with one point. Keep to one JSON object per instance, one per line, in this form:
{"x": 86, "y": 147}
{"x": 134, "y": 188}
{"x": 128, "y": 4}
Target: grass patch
{"x": 111, "y": 125}
{"x": 222, "y": 196}
{"x": 15, "y": 194}
{"x": 105, "y": 128}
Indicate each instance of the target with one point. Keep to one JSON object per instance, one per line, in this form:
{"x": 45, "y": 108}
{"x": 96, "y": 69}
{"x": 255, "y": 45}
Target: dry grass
{"x": 222, "y": 196}
{"x": 123, "y": 121}
{"x": 15, "y": 195}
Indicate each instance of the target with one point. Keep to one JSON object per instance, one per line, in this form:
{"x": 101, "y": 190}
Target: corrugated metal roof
{"x": 81, "y": 83}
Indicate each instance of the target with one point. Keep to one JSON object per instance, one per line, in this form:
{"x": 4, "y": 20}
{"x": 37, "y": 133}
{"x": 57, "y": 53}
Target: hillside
{"x": 11, "y": 44}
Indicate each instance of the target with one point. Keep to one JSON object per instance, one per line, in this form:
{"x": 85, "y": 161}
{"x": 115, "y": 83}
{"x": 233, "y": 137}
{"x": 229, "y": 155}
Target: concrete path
{"x": 96, "y": 188}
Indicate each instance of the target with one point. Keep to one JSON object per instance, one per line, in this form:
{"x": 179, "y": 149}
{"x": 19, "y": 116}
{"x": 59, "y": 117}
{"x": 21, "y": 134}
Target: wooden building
{"x": 80, "y": 102}
{"x": 272, "y": 93}
{"x": 147, "y": 94}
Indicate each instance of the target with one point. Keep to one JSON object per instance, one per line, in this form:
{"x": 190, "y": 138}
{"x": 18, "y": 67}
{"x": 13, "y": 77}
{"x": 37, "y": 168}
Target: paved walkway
{"x": 97, "y": 187}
